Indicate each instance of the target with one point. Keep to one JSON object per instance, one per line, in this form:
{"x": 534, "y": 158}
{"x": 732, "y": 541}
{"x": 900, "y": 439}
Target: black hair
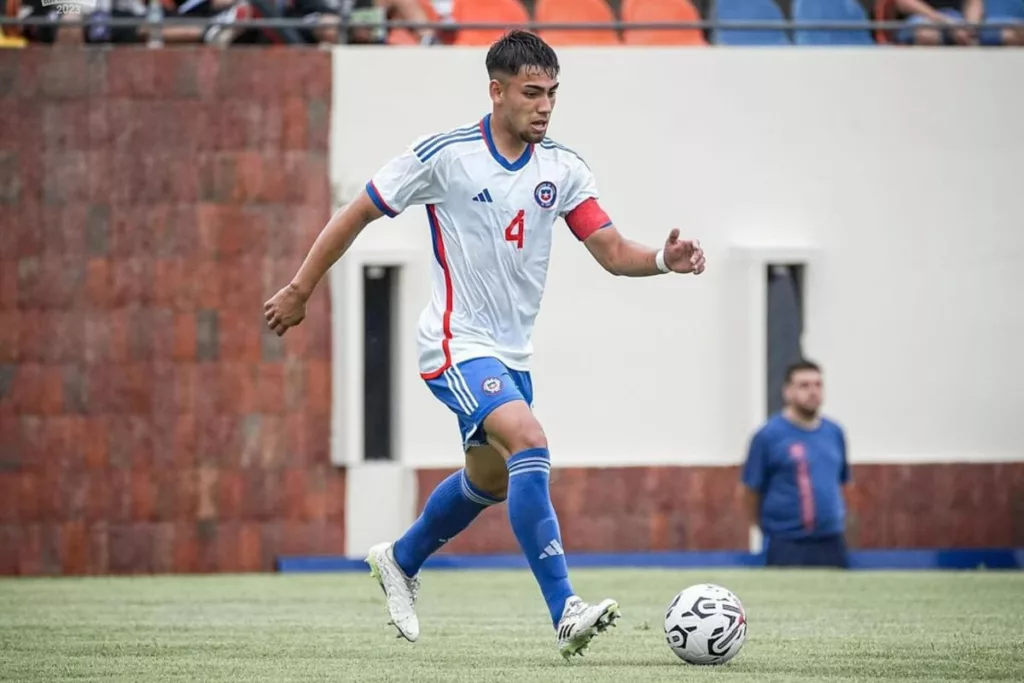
{"x": 517, "y": 49}
{"x": 802, "y": 364}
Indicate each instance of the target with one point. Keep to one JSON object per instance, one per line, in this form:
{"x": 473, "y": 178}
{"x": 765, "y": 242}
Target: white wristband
{"x": 659, "y": 260}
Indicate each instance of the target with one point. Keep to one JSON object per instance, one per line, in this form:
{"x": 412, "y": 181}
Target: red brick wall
{"x": 149, "y": 203}
{"x": 699, "y": 508}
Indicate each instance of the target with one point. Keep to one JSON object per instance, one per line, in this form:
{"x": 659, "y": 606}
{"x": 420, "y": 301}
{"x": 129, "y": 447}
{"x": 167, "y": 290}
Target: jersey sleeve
{"x": 580, "y": 185}
{"x": 580, "y": 207}
{"x": 406, "y": 180}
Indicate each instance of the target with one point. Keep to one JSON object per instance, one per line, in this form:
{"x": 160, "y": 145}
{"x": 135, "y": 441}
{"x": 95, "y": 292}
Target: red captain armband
{"x": 586, "y": 219}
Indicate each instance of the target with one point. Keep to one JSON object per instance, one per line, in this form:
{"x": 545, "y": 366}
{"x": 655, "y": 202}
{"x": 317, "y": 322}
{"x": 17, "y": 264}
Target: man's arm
{"x": 974, "y": 11}
{"x": 287, "y": 308}
{"x": 921, "y": 7}
{"x": 334, "y": 240}
{"x": 616, "y": 254}
{"x": 409, "y": 178}
{"x": 621, "y": 256}
{"x": 844, "y": 470}
{"x": 752, "y": 505}
{"x": 753, "y": 478}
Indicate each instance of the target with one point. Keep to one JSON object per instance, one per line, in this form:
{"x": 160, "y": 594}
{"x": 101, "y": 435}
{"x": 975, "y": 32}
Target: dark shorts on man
{"x": 823, "y": 551}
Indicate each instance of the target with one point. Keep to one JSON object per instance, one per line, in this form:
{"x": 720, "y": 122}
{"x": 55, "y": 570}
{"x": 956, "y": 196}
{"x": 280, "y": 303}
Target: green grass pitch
{"x": 492, "y": 626}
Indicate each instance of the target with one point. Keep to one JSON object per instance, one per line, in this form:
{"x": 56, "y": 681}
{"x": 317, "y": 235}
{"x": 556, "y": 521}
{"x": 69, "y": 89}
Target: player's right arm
{"x": 753, "y": 478}
{"x": 411, "y": 178}
{"x": 287, "y": 308}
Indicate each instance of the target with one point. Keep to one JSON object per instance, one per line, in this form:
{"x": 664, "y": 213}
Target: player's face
{"x": 804, "y": 392}
{"x": 526, "y": 101}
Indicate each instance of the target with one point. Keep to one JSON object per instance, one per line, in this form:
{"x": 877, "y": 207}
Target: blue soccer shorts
{"x": 472, "y": 389}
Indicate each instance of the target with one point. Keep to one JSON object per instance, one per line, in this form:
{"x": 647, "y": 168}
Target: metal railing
{"x": 345, "y": 23}
{"x": 281, "y": 22}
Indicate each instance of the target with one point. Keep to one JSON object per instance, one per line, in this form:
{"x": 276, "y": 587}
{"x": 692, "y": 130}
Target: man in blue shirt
{"x": 794, "y": 477}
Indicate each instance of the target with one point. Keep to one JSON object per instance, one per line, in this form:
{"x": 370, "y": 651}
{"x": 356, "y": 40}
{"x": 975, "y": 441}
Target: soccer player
{"x": 493, "y": 190}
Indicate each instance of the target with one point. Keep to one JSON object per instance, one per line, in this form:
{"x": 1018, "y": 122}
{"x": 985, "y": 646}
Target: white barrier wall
{"x": 896, "y": 174}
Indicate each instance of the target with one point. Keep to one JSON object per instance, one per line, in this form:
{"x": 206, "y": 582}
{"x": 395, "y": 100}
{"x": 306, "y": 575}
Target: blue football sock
{"x": 536, "y": 526}
{"x": 449, "y": 509}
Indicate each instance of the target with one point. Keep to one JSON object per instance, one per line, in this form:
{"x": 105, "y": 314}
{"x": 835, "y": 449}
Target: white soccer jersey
{"x": 491, "y": 222}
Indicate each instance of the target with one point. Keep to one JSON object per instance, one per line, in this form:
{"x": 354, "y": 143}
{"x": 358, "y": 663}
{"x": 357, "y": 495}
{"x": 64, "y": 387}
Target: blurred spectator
{"x": 98, "y": 30}
{"x": 954, "y": 14}
{"x": 794, "y": 476}
{"x": 323, "y": 18}
{"x": 42, "y": 34}
{"x": 394, "y": 10}
{"x": 221, "y": 33}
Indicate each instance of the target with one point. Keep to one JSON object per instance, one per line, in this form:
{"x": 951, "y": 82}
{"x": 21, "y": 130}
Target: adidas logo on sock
{"x": 553, "y": 548}
{"x": 484, "y": 196}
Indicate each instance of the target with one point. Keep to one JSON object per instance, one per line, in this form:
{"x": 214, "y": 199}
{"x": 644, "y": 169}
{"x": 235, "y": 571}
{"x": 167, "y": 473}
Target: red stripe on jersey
{"x": 587, "y": 218}
{"x": 446, "y": 324}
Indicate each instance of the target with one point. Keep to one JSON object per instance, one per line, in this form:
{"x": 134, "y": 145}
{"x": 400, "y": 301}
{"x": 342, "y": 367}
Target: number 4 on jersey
{"x": 515, "y": 229}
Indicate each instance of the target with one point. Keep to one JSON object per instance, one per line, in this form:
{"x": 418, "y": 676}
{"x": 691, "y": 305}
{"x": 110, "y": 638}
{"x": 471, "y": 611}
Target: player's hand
{"x": 683, "y": 256}
{"x": 285, "y": 309}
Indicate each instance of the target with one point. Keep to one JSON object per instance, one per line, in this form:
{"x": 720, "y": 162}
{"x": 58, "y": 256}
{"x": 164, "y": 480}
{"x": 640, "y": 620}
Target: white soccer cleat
{"x": 580, "y": 622}
{"x": 399, "y": 590}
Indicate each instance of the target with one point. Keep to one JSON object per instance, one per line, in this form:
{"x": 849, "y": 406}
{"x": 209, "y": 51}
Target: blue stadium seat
{"x": 1005, "y": 8}
{"x": 748, "y": 10}
{"x": 1000, "y": 11}
{"x": 824, "y": 12}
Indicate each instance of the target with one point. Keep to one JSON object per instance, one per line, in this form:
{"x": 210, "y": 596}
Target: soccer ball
{"x": 705, "y": 624}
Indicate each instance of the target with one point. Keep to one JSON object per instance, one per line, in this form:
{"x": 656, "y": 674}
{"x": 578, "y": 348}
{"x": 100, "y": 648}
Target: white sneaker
{"x": 580, "y": 622}
{"x": 400, "y": 590}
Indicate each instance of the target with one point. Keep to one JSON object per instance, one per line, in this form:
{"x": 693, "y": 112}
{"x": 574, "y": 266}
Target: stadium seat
{"x": 825, "y": 11}
{"x": 1011, "y": 11}
{"x": 749, "y": 11}
{"x": 656, "y": 11}
{"x": 1004, "y": 8}
{"x": 576, "y": 12}
{"x": 510, "y": 13}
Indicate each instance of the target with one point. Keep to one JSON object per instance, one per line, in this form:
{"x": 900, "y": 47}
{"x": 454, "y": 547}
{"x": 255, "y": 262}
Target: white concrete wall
{"x": 907, "y": 163}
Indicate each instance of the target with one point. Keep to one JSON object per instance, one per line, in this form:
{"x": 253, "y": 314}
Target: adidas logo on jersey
{"x": 484, "y": 196}
{"x": 553, "y": 548}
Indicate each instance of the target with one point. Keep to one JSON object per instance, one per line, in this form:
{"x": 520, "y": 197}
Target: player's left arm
{"x": 621, "y": 256}
{"x": 616, "y": 254}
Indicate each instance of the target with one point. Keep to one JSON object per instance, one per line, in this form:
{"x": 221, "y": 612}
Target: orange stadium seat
{"x": 576, "y": 12}
{"x": 658, "y": 11}
{"x": 511, "y": 13}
